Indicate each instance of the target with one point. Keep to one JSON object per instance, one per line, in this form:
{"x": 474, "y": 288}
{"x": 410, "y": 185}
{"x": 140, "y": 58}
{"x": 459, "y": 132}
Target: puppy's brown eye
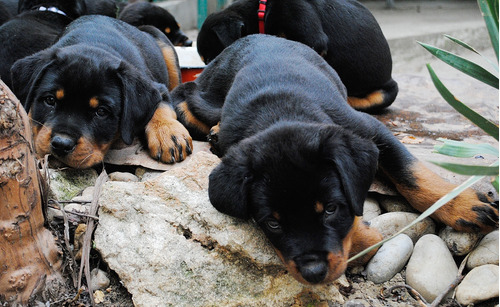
{"x": 273, "y": 224}
{"x": 330, "y": 209}
{"x": 101, "y": 112}
{"x": 49, "y": 100}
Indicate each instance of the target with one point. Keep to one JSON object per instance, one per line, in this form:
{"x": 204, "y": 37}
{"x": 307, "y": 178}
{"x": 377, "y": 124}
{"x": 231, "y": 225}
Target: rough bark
{"x": 30, "y": 260}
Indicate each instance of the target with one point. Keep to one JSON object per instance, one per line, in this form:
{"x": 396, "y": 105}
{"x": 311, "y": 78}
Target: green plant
{"x": 489, "y": 9}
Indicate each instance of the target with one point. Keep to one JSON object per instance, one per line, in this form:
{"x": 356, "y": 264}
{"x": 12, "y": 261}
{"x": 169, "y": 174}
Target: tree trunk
{"x": 30, "y": 260}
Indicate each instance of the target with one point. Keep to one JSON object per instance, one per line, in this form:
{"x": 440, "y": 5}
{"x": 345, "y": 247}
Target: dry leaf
{"x": 410, "y": 139}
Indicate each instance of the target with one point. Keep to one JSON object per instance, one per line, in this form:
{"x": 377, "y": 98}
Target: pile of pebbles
{"x": 431, "y": 254}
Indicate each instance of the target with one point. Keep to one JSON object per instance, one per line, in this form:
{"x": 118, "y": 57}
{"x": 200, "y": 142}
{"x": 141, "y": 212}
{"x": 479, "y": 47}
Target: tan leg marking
{"x": 170, "y": 58}
{"x": 168, "y": 139}
{"x": 191, "y": 120}
{"x": 363, "y": 236}
{"x": 370, "y": 100}
{"x": 463, "y": 209}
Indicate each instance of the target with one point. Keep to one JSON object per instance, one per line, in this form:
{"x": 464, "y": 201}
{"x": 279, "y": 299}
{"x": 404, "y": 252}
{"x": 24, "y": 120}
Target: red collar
{"x": 260, "y": 14}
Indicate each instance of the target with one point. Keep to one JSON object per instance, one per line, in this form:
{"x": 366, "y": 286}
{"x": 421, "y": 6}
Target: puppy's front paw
{"x": 213, "y": 138}
{"x": 470, "y": 212}
{"x": 168, "y": 140}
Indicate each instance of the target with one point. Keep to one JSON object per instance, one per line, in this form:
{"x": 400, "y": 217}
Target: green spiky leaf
{"x": 477, "y": 119}
{"x": 463, "y": 149}
{"x": 463, "y": 65}
{"x": 469, "y": 170}
{"x": 489, "y": 9}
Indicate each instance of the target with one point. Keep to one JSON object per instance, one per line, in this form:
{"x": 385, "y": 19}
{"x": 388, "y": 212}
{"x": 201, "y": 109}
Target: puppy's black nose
{"x": 313, "y": 268}
{"x": 187, "y": 42}
{"x": 62, "y": 144}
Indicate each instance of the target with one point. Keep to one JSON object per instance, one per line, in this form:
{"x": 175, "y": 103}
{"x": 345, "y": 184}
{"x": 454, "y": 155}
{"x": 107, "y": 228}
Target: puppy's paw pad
{"x": 168, "y": 140}
{"x": 483, "y": 218}
{"x": 468, "y": 213}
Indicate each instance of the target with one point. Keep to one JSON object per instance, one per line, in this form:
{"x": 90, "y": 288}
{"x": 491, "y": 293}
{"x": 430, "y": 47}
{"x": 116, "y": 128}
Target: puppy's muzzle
{"x": 61, "y": 144}
{"x": 312, "y": 267}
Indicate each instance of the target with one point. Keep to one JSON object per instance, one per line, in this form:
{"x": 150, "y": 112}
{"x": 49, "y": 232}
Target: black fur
{"x": 102, "y": 7}
{"x": 96, "y": 57}
{"x": 4, "y": 13}
{"x": 288, "y": 139}
{"x": 145, "y": 13}
{"x": 299, "y": 160}
{"x": 343, "y": 31}
{"x": 34, "y": 30}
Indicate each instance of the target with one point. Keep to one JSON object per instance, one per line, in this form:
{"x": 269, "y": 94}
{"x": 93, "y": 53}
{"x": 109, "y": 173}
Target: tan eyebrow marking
{"x": 94, "y": 102}
{"x": 60, "y": 94}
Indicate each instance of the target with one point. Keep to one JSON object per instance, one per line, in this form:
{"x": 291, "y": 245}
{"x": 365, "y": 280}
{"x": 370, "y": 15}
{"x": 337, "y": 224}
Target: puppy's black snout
{"x": 313, "y": 268}
{"x": 187, "y": 42}
{"x": 62, "y": 144}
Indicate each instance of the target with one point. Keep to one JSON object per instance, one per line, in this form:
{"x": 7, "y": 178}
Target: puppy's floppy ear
{"x": 27, "y": 72}
{"x": 356, "y": 161}
{"x": 140, "y": 98}
{"x": 229, "y": 31}
{"x": 229, "y": 183}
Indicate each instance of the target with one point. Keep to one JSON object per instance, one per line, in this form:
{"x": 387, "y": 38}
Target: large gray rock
{"x": 389, "y": 259}
{"x": 431, "y": 268}
{"x": 480, "y": 284}
{"x": 390, "y": 223}
{"x": 170, "y": 246}
{"x": 486, "y": 252}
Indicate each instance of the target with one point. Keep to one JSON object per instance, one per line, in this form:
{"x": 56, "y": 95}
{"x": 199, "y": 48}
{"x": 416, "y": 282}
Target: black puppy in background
{"x": 4, "y": 13}
{"x": 11, "y": 6}
{"x": 145, "y": 13}
{"x": 344, "y": 32}
{"x": 103, "y": 81}
{"x": 102, "y": 7}
{"x": 35, "y": 28}
{"x": 299, "y": 160}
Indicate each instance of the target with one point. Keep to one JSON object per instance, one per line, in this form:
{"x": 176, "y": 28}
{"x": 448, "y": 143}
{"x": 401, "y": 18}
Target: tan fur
{"x": 170, "y": 57}
{"x": 94, "y": 102}
{"x": 431, "y": 187}
{"x": 363, "y": 236}
{"x": 160, "y": 132}
{"x": 191, "y": 119}
{"x": 359, "y": 238}
{"x": 370, "y": 100}
{"x": 60, "y": 94}
{"x": 85, "y": 155}
{"x": 319, "y": 207}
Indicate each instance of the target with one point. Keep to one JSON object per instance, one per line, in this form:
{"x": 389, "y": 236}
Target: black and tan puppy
{"x": 344, "y": 32}
{"x": 102, "y": 81}
{"x": 145, "y": 13}
{"x": 102, "y": 7}
{"x": 299, "y": 160}
{"x": 35, "y": 28}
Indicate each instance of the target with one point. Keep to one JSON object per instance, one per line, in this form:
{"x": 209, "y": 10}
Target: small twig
{"x": 452, "y": 286}
{"x": 77, "y": 213}
{"x": 66, "y": 241}
{"x": 82, "y": 202}
{"x": 84, "y": 264}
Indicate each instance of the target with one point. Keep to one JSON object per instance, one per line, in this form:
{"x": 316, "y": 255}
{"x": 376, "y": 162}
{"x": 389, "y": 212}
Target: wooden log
{"x": 30, "y": 259}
